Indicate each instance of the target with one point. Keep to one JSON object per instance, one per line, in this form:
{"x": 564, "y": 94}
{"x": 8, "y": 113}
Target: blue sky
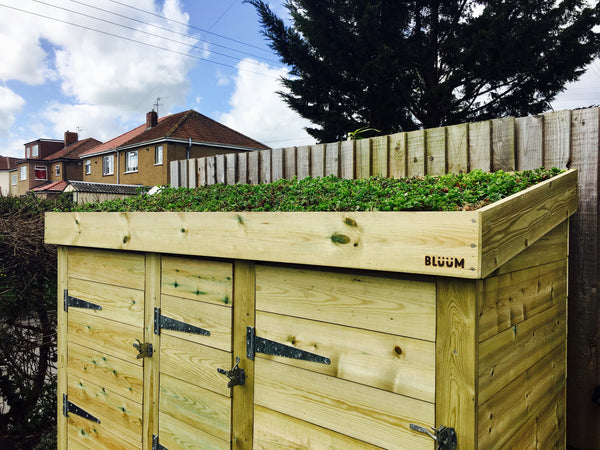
{"x": 97, "y": 67}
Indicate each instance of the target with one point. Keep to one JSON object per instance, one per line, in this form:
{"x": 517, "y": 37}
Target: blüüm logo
{"x": 445, "y": 261}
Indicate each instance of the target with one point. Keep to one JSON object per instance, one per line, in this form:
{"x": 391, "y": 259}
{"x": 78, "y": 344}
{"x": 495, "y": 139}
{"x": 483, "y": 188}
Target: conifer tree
{"x": 402, "y": 65}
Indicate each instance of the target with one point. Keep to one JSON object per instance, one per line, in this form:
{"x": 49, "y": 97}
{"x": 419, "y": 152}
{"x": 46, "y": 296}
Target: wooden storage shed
{"x": 349, "y": 327}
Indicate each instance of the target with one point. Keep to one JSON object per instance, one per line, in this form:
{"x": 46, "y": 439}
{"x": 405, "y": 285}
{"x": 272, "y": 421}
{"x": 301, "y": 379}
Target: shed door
{"x": 195, "y": 340}
{"x": 105, "y": 315}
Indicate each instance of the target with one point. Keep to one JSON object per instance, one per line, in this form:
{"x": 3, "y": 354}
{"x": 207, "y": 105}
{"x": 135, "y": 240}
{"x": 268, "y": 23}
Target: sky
{"x": 98, "y": 66}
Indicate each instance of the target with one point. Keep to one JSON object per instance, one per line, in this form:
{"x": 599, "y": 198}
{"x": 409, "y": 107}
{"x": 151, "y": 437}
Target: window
{"x": 22, "y": 173}
{"x": 34, "y": 151}
{"x": 131, "y": 161}
{"x": 41, "y": 172}
{"x": 13, "y": 179}
{"x": 57, "y": 170}
{"x": 108, "y": 165}
{"x": 158, "y": 155}
{"x": 88, "y": 166}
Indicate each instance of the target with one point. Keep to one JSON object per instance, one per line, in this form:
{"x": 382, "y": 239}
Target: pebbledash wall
{"x": 563, "y": 139}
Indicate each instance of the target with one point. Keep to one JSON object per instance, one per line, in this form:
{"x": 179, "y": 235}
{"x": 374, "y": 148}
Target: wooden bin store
{"x": 353, "y": 330}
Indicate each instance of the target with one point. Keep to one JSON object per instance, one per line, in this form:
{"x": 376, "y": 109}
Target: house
{"x": 8, "y": 174}
{"x": 141, "y": 156}
{"x": 49, "y": 163}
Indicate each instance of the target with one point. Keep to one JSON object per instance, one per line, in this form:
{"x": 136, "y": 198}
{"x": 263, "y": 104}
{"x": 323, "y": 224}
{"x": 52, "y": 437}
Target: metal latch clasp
{"x": 144, "y": 349}
{"x": 237, "y": 376}
{"x": 445, "y": 437}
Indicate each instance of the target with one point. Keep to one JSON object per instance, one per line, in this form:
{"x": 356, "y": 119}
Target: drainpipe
{"x": 189, "y": 147}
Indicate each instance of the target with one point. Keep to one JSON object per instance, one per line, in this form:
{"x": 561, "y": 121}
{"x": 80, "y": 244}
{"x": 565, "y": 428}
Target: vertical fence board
{"x": 529, "y": 135}
{"x": 503, "y": 144}
{"x": 363, "y": 158}
{"x": 231, "y": 168}
{"x": 457, "y": 148}
{"x": 220, "y": 159}
{"x": 480, "y": 146}
{"x": 192, "y": 170}
{"x": 397, "y": 164}
{"x": 583, "y": 416}
{"x": 242, "y": 168}
{"x": 415, "y": 149}
{"x": 332, "y": 159}
{"x": 380, "y": 152}
{"x": 436, "y": 151}
{"x": 253, "y": 168}
{"x": 61, "y": 346}
{"x": 303, "y": 161}
{"x": 265, "y": 166}
{"x": 277, "y": 164}
{"x": 211, "y": 170}
{"x": 557, "y": 139}
{"x": 201, "y": 171}
{"x": 174, "y": 174}
{"x": 183, "y": 173}
{"x": 317, "y": 160}
{"x": 347, "y": 156}
{"x": 290, "y": 163}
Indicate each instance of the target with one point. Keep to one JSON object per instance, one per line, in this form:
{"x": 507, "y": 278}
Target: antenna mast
{"x": 157, "y": 104}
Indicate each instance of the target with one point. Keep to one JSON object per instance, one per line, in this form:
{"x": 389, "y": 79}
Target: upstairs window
{"x": 41, "y": 172}
{"x": 88, "y": 166}
{"x": 13, "y": 179}
{"x": 158, "y": 155}
{"x": 57, "y": 170}
{"x": 34, "y": 151}
{"x": 22, "y": 173}
{"x": 108, "y": 165}
{"x": 131, "y": 161}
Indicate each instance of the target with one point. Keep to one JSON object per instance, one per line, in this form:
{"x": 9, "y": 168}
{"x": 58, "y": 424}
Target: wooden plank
{"x": 397, "y": 162}
{"x": 290, "y": 163}
{"x": 197, "y": 279}
{"x": 511, "y": 298}
{"x": 254, "y": 167}
{"x": 399, "y": 242}
{"x": 583, "y": 417}
{"x": 194, "y": 363}
{"x": 211, "y": 170}
{"x": 115, "y": 337}
{"x": 273, "y": 430}
{"x": 395, "y": 306}
{"x": 480, "y": 146}
{"x": 303, "y": 161}
{"x": 505, "y": 413}
{"x": 507, "y": 355}
{"x": 199, "y": 408}
{"x": 347, "y": 159}
{"x": 151, "y": 365}
{"x": 380, "y": 152}
{"x": 61, "y": 345}
{"x": 183, "y": 173}
{"x": 363, "y": 148}
{"x": 114, "y": 374}
{"x": 174, "y": 174}
{"x": 116, "y": 268}
{"x": 201, "y": 171}
{"x": 510, "y": 225}
{"x": 457, "y": 149}
{"x": 277, "y": 164}
{"x": 192, "y": 171}
{"x": 332, "y": 159}
{"x": 529, "y": 135}
{"x": 242, "y": 168}
{"x": 230, "y": 168}
{"x": 416, "y": 153}
{"x": 392, "y": 363}
{"x": 317, "y": 160}
{"x": 372, "y": 415}
{"x": 177, "y": 434}
{"x": 456, "y": 393}
{"x": 214, "y": 318}
{"x": 265, "y": 166}
{"x": 221, "y": 169}
{"x": 557, "y": 139}
{"x": 503, "y": 144}
{"x": 435, "y": 151}
{"x": 83, "y": 433}
{"x": 117, "y": 414}
{"x": 118, "y": 303}
{"x": 242, "y": 420}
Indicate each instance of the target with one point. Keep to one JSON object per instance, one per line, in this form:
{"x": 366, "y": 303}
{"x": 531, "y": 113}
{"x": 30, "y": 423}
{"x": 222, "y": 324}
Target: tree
{"x": 402, "y": 65}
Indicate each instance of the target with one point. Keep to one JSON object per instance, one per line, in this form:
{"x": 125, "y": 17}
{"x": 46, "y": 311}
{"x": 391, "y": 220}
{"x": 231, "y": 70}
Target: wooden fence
{"x": 564, "y": 139}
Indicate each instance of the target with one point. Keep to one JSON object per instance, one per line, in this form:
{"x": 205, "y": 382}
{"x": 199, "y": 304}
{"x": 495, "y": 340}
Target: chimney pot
{"x": 151, "y": 119}
{"x": 70, "y": 138}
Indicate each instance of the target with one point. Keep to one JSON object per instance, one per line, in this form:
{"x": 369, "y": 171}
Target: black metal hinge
{"x": 167, "y": 323}
{"x": 78, "y": 303}
{"x": 156, "y": 445}
{"x": 256, "y": 344}
{"x": 69, "y": 407}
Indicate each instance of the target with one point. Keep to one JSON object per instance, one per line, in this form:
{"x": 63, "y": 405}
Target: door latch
{"x": 445, "y": 437}
{"x": 237, "y": 376}
{"x": 144, "y": 349}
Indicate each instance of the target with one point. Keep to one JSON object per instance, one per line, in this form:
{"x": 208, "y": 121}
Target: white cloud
{"x": 259, "y": 112}
{"x": 10, "y": 105}
{"x": 581, "y": 93}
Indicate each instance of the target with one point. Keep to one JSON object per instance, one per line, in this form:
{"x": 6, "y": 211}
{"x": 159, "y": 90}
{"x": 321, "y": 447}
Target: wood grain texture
{"x": 395, "y": 306}
{"x": 398, "y": 155}
{"x": 290, "y": 162}
{"x": 201, "y": 171}
{"x": 192, "y": 170}
{"x": 61, "y": 345}
{"x": 332, "y": 159}
{"x": 183, "y": 173}
{"x": 242, "y": 168}
{"x": 480, "y": 146}
{"x": 175, "y": 434}
{"x": 457, "y": 160}
{"x": 230, "y": 168}
{"x": 456, "y": 393}
{"x": 253, "y": 168}
{"x": 372, "y": 415}
{"x": 503, "y": 144}
{"x": 265, "y": 175}
{"x": 557, "y": 139}
{"x": 211, "y": 170}
{"x": 529, "y": 145}
{"x": 221, "y": 168}
{"x": 317, "y": 160}
{"x": 363, "y": 149}
{"x": 380, "y": 152}
{"x": 303, "y": 163}
{"x": 277, "y": 164}
{"x": 416, "y": 147}
{"x": 435, "y": 153}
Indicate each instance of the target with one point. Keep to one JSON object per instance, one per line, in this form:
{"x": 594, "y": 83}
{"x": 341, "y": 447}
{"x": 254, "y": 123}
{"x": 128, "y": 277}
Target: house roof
{"x": 55, "y": 186}
{"x": 74, "y": 150}
{"x": 181, "y": 126}
{"x": 8, "y": 163}
{"x": 105, "y": 188}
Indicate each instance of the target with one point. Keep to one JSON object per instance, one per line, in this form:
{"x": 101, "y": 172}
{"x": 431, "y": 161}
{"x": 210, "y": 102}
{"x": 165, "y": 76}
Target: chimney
{"x": 70, "y": 138}
{"x": 151, "y": 119}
